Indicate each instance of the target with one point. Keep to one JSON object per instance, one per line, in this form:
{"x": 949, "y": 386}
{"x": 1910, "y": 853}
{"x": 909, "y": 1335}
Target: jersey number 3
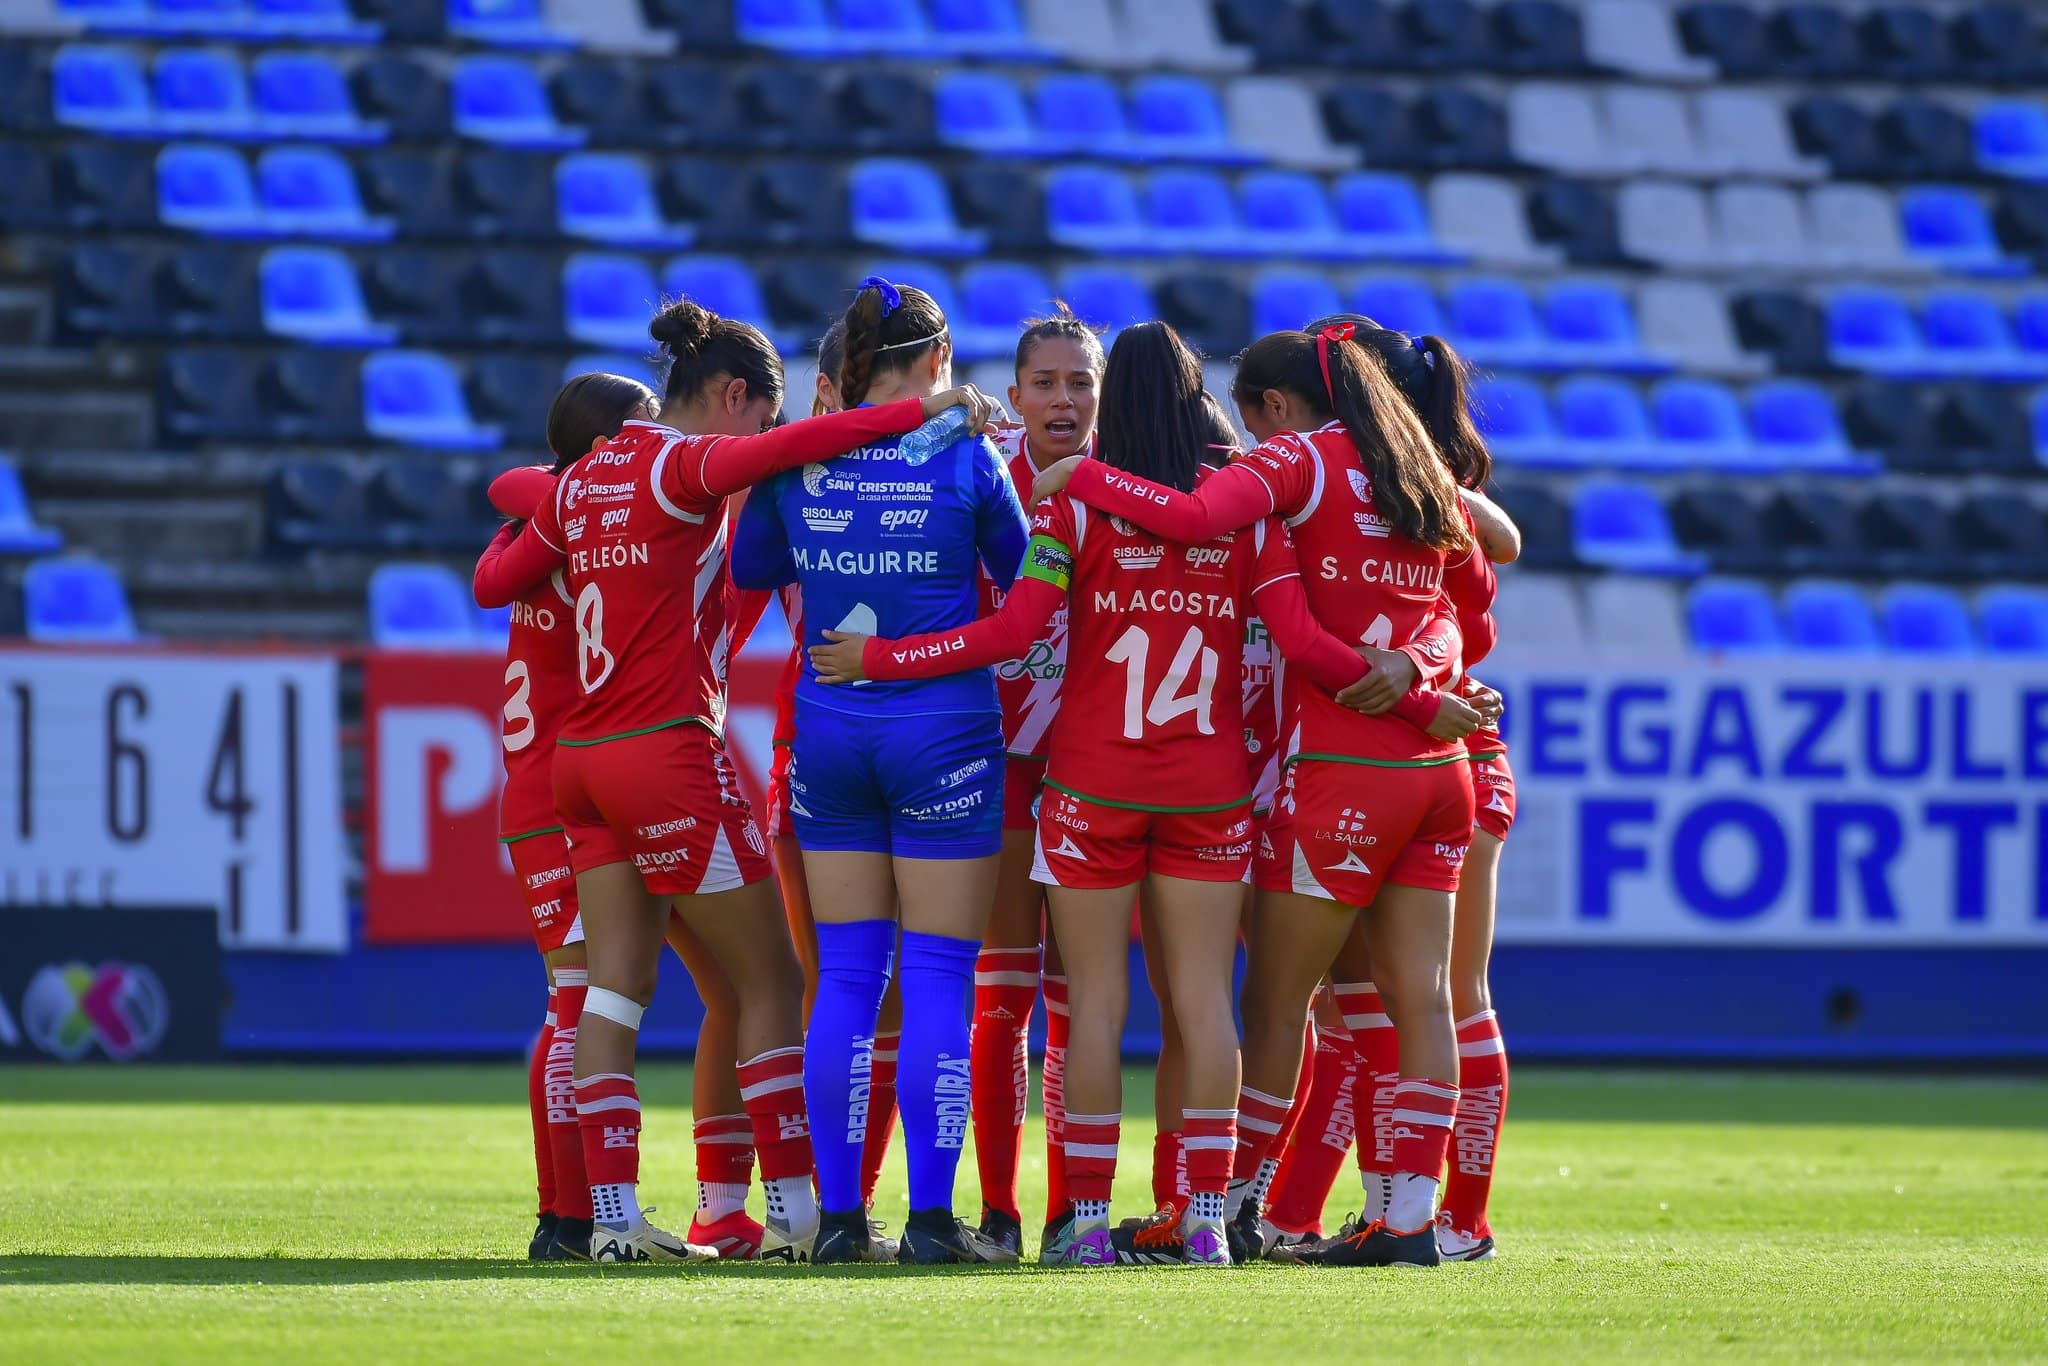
{"x": 1133, "y": 649}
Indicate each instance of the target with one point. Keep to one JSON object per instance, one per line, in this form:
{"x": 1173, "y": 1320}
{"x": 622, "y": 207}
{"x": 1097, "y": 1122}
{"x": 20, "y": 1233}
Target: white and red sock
{"x": 1482, "y": 1110}
{"x": 772, "y": 1088}
{"x": 1323, "y": 1138}
{"x": 1423, "y": 1111}
{"x": 537, "y": 1108}
{"x": 1091, "y": 1143}
{"x": 1259, "y": 1117}
{"x": 1379, "y": 1071}
{"x": 1053, "y": 1092}
{"x": 725, "y": 1164}
{"x": 1209, "y": 1140}
{"x": 565, "y": 1138}
{"x": 1005, "y": 989}
{"x": 1170, "y": 1168}
{"x": 881, "y": 1113}
{"x": 608, "y": 1114}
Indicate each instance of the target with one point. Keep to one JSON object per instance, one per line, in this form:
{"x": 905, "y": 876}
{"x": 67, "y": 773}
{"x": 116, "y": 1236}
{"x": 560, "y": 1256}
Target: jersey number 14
{"x": 1193, "y": 659}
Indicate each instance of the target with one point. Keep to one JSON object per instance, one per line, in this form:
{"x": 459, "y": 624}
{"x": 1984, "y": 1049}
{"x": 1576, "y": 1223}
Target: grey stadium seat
{"x": 1856, "y": 227}
{"x": 1540, "y": 619}
{"x": 1179, "y": 35}
{"x": 1484, "y": 217}
{"x": 609, "y": 26}
{"x": 1688, "y": 322}
{"x": 1558, "y": 127}
{"x": 1635, "y": 618}
{"x": 1651, "y": 131}
{"x": 1279, "y": 119}
{"x": 1745, "y": 132}
{"x": 1665, "y": 222}
{"x": 1763, "y": 225}
{"x": 1641, "y": 38}
{"x": 1085, "y": 31}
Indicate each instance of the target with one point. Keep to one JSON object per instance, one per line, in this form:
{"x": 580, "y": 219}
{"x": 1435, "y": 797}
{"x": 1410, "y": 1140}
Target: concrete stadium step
{"x": 119, "y": 527}
{"x": 310, "y": 626}
{"x": 36, "y": 417}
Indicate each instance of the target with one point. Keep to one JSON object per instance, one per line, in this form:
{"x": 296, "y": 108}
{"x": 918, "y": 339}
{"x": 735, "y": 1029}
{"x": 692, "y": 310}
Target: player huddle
{"x": 1224, "y": 691}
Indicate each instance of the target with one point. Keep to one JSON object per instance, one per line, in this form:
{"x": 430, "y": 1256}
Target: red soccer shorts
{"x": 541, "y": 863}
{"x": 1090, "y": 846}
{"x": 1493, "y": 794}
{"x": 669, "y": 802}
{"x": 1022, "y": 779}
{"x": 1340, "y": 830}
{"x": 778, "y": 793}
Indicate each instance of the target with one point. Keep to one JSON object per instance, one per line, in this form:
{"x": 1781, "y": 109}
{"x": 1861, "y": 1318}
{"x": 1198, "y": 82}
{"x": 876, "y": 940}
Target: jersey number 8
{"x": 593, "y": 661}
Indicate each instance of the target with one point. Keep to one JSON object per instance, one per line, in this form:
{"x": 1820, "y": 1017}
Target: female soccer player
{"x": 1146, "y": 781}
{"x": 642, "y": 784}
{"x": 895, "y": 791}
{"x": 1058, "y": 371}
{"x": 1378, "y": 521}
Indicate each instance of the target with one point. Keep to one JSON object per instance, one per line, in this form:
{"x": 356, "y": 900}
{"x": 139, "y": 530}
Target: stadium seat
{"x": 1999, "y": 43}
{"x": 991, "y": 30}
{"x": 73, "y": 600}
{"x": 1579, "y": 217}
{"x": 726, "y": 285}
{"x": 1277, "y": 36}
{"x": 1815, "y": 42}
{"x": 607, "y": 300}
{"x": 1688, "y": 323}
{"x": 1092, "y": 208}
{"x": 1277, "y": 118}
{"x": 882, "y": 111}
{"x": 208, "y": 291}
{"x": 1494, "y": 323}
{"x": 1540, "y": 619}
{"x": 1209, "y": 311}
{"x": 1446, "y": 35}
{"x": 207, "y": 395}
{"x": 1823, "y": 617}
{"x": 101, "y": 90}
{"x": 1402, "y": 303}
{"x": 1787, "y": 328}
{"x": 621, "y": 104}
{"x": 1925, "y": 139}
{"x": 1762, "y": 225}
{"x": 2014, "y": 620}
{"x": 317, "y": 505}
{"x": 1602, "y": 421}
{"x": 1623, "y": 526}
{"x": 304, "y": 95}
{"x": 504, "y": 23}
{"x": 1920, "y": 619}
{"x": 1744, "y": 132}
{"x": 1382, "y": 216}
{"x": 1382, "y": 127}
{"x": 1856, "y": 228}
{"x": 1842, "y": 133}
{"x": 1650, "y": 132}
{"x": 319, "y": 21}
{"x": 1905, "y": 43}
{"x": 1175, "y": 35}
{"x": 2030, "y": 325}
{"x": 205, "y": 188}
{"x": 1909, "y": 535}
{"x": 1733, "y": 616}
{"x": 511, "y": 392}
{"x": 636, "y": 367}
{"x": 1545, "y": 520}
{"x": 423, "y": 505}
{"x": 929, "y": 276}
{"x": 415, "y": 398}
{"x": 1796, "y": 429}
{"x": 208, "y": 19}
{"x": 1481, "y": 217}
{"x": 1640, "y": 38}
{"x": 409, "y": 96}
{"x": 202, "y": 93}
{"x": 1178, "y": 118}
{"x": 1667, "y": 224}
{"x": 985, "y": 113}
{"x": 609, "y": 197}
{"x": 1514, "y": 417}
{"x": 311, "y": 192}
{"x": 904, "y": 205}
{"x": 996, "y": 297}
{"x": 420, "y": 607}
{"x": 20, "y": 534}
{"x": 1456, "y": 127}
{"x": 990, "y": 197}
{"x": 1558, "y": 128}
{"x": 1541, "y": 36}
{"x": 2001, "y": 537}
{"x": 1110, "y": 297}
{"x": 1082, "y": 114}
{"x": 1732, "y": 36}
{"x": 2012, "y": 139}
{"x": 1594, "y": 325}
{"x": 1951, "y": 229}
{"x": 502, "y": 100}
{"x": 1699, "y": 424}
{"x": 802, "y": 28}
{"x": 311, "y": 294}
{"x": 1283, "y": 300}
{"x": 887, "y": 27}
{"x": 1869, "y": 329}
{"x": 1287, "y": 214}
{"x": 1968, "y": 336}
{"x": 1629, "y": 618}
{"x": 105, "y": 289}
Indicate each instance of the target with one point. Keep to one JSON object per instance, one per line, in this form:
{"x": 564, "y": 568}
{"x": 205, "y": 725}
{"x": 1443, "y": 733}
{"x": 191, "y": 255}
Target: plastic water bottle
{"x": 935, "y": 435}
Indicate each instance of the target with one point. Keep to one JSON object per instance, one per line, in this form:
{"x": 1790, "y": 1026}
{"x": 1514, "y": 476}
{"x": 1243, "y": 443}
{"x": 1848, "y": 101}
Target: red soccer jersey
{"x": 540, "y": 687}
{"x": 1263, "y": 670}
{"x": 1027, "y": 687}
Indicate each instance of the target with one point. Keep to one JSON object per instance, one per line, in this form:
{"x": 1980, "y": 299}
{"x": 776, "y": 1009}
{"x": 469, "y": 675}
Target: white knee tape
{"x": 609, "y": 1005}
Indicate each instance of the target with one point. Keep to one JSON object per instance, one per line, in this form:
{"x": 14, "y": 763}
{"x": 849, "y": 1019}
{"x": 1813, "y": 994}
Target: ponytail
{"x": 1437, "y": 383}
{"x": 831, "y": 356}
{"x": 888, "y": 326}
{"x": 700, "y": 346}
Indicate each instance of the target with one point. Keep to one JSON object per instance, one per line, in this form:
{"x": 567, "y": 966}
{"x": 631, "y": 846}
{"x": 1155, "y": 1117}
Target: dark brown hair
{"x": 1438, "y": 381}
{"x": 1224, "y": 441}
{"x": 831, "y": 355}
{"x": 701, "y": 346}
{"x": 1411, "y": 483}
{"x": 1062, "y": 325}
{"x": 1154, "y": 418}
{"x": 591, "y": 405}
{"x": 878, "y": 345}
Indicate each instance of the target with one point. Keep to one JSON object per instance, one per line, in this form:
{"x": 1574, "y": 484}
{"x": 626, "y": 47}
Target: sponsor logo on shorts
{"x": 1068, "y": 849}
{"x": 1350, "y": 863}
{"x": 1453, "y": 853}
{"x": 655, "y": 832}
{"x": 1499, "y": 802}
{"x": 1068, "y": 813}
{"x": 1224, "y": 853}
{"x": 536, "y": 881}
{"x": 945, "y": 810}
{"x": 1266, "y": 846}
{"x": 752, "y": 835}
{"x": 1350, "y": 830}
{"x": 660, "y": 860}
{"x": 827, "y": 520}
{"x": 547, "y": 910}
{"x": 964, "y": 772}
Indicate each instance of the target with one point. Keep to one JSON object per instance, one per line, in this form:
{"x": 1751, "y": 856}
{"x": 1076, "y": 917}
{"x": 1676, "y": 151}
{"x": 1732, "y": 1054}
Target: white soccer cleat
{"x": 1455, "y": 1245}
{"x": 781, "y": 1243}
{"x": 643, "y": 1242}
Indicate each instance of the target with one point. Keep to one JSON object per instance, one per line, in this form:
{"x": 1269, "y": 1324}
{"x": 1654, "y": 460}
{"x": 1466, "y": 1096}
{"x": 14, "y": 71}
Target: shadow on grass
{"x": 64, "y": 1269}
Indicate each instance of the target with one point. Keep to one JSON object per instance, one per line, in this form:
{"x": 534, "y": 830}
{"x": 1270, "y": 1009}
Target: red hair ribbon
{"x": 1334, "y": 332}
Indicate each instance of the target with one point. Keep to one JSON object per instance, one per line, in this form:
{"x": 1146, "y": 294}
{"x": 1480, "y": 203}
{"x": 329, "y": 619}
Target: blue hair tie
{"x": 1422, "y": 353}
{"x": 892, "y": 297}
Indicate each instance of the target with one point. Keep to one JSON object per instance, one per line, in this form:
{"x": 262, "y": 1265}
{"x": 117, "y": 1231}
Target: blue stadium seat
{"x": 415, "y": 398}
{"x": 2012, "y": 139}
{"x": 1796, "y": 429}
{"x": 1400, "y": 302}
{"x": 311, "y": 192}
{"x": 992, "y": 30}
{"x": 420, "y": 607}
{"x": 1286, "y": 213}
{"x": 1092, "y": 208}
{"x": 305, "y": 95}
{"x": 72, "y": 600}
{"x": 2037, "y": 410}
{"x": 996, "y": 297}
{"x": 1083, "y": 114}
{"x": 1594, "y": 325}
{"x": 1920, "y": 619}
{"x": 1282, "y": 300}
{"x": 1968, "y": 336}
{"x": 205, "y": 188}
{"x": 1870, "y": 329}
{"x": 502, "y": 100}
{"x": 1602, "y": 421}
{"x": 610, "y": 363}
{"x": 801, "y": 27}
{"x": 1514, "y": 417}
{"x": 494, "y": 626}
{"x": 1110, "y": 297}
{"x": 20, "y": 533}
{"x": 1623, "y": 526}
{"x": 904, "y": 205}
{"x": 1193, "y": 211}
{"x": 986, "y": 113}
{"x": 1825, "y": 617}
{"x": 1950, "y": 228}
{"x": 504, "y": 23}
{"x": 1494, "y": 323}
{"x": 2014, "y": 620}
{"x": 1178, "y": 118}
{"x": 727, "y": 286}
{"x": 202, "y": 93}
{"x": 2030, "y": 326}
{"x": 929, "y": 276}
{"x": 102, "y": 90}
{"x": 1733, "y": 616}
{"x": 109, "y": 16}
{"x": 209, "y": 18}
{"x": 327, "y": 21}
{"x": 892, "y": 28}
{"x": 1382, "y": 216}
{"x": 1700, "y": 424}
{"x": 608, "y": 300}
{"x": 311, "y": 294}
{"x": 609, "y": 197}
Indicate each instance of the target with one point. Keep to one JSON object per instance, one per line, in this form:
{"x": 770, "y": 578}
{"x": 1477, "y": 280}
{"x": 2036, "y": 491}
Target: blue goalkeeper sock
{"x": 853, "y": 971}
{"x": 933, "y": 1092}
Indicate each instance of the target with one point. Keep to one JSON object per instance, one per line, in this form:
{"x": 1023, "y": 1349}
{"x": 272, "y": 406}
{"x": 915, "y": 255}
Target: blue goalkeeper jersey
{"x": 886, "y": 548}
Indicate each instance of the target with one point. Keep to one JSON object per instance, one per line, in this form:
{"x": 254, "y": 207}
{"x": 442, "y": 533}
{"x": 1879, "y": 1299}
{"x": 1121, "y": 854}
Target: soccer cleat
{"x": 1091, "y": 1249}
{"x": 1378, "y": 1245}
{"x": 1277, "y": 1238}
{"x": 1247, "y": 1240}
{"x": 781, "y": 1243}
{"x": 1154, "y": 1241}
{"x": 643, "y": 1242}
{"x": 1003, "y": 1231}
{"x": 543, "y": 1238}
{"x": 572, "y": 1241}
{"x": 1168, "y": 1213}
{"x": 1456, "y": 1245}
{"x": 1204, "y": 1243}
{"x": 1052, "y": 1244}
{"x": 736, "y": 1236}
{"x": 934, "y": 1237}
{"x": 885, "y": 1247}
{"x": 844, "y": 1239}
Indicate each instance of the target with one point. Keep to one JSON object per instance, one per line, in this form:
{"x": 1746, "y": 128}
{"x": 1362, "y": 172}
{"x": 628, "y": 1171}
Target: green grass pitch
{"x": 381, "y": 1214}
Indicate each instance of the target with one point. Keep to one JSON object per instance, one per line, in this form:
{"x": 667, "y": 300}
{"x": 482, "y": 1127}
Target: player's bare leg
{"x": 723, "y": 1135}
{"x": 1094, "y": 933}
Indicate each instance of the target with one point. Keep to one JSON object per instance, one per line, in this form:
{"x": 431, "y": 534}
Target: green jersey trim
{"x": 1245, "y": 800}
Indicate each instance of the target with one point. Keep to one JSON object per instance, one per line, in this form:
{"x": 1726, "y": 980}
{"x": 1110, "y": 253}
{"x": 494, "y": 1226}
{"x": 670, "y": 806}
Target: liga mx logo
{"x": 120, "y": 1006}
